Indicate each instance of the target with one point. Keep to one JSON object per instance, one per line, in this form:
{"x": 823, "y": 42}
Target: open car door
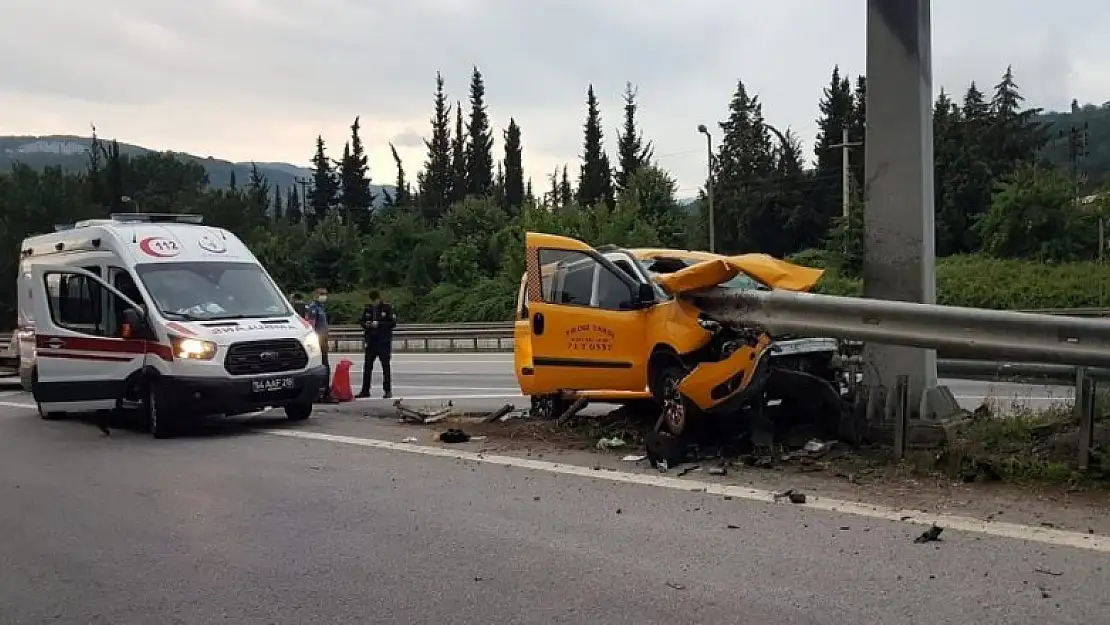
{"x": 84, "y": 354}
{"x": 587, "y": 326}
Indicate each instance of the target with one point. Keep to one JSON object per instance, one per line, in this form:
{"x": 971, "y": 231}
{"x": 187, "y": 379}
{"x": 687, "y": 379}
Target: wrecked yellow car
{"x": 621, "y": 326}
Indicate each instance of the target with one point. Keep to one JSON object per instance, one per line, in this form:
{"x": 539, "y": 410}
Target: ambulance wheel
{"x": 45, "y": 416}
{"x": 50, "y": 416}
{"x": 160, "y": 418}
{"x": 298, "y": 412}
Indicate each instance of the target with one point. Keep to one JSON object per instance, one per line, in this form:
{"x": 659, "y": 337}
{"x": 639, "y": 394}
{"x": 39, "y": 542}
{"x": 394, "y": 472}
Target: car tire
{"x": 161, "y": 420}
{"x": 676, "y": 413}
{"x": 298, "y": 412}
{"x": 45, "y": 416}
{"x": 50, "y": 416}
{"x": 547, "y": 407}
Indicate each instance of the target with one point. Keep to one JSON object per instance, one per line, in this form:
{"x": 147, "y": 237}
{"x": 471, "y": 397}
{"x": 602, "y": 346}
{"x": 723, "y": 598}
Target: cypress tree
{"x": 595, "y": 180}
{"x": 514, "y": 168}
{"x": 401, "y": 193}
{"x": 435, "y": 180}
{"x": 479, "y": 147}
{"x": 458, "y": 157}
{"x": 354, "y": 180}
{"x": 632, "y": 152}
{"x": 323, "y": 182}
{"x": 293, "y": 206}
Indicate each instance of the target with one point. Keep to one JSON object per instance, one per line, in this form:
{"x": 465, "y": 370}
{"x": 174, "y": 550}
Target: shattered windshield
{"x": 212, "y": 290}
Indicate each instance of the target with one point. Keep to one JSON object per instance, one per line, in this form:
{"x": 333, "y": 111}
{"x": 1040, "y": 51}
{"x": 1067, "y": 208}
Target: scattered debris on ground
{"x": 423, "y": 417}
{"x": 578, "y": 406}
{"x": 930, "y": 535}
{"x": 454, "y": 435}
{"x": 1047, "y": 572}
{"x": 499, "y": 414}
{"x": 791, "y": 495}
{"x": 612, "y": 442}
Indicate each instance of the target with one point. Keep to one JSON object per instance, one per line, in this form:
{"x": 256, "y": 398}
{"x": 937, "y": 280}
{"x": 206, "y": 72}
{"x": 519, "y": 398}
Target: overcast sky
{"x": 259, "y": 79}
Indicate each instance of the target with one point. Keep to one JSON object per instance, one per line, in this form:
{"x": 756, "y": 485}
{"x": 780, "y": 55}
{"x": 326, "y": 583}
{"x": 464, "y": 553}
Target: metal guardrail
{"x": 497, "y": 336}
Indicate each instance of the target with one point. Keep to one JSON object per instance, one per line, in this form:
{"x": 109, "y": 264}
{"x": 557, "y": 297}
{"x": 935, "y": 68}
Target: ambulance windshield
{"x": 212, "y": 290}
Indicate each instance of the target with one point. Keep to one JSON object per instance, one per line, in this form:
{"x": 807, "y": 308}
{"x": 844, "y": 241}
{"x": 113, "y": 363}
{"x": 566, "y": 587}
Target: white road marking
{"x": 1063, "y": 538}
{"x": 442, "y": 397}
{"x": 11, "y": 404}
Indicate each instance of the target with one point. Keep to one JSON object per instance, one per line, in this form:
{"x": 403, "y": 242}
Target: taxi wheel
{"x": 675, "y": 410}
{"x": 547, "y": 407}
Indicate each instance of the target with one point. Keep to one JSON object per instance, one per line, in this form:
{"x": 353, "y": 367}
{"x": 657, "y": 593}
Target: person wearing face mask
{"x": 317, "y": 315}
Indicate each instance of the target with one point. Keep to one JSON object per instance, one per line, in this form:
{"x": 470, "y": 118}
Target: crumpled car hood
{"x": 776, "y": 273}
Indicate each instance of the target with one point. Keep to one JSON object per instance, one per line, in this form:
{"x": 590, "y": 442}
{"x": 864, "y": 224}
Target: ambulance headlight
{"x": 192, "y": 349}
{"x": 312, "y": 344}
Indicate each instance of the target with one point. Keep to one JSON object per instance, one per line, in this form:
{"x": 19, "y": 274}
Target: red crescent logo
{"x": 159, "y": 247}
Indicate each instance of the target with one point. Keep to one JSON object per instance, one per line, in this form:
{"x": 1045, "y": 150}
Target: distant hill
{"x": 70, "y": 152}
{"x": 1096, "y": 163}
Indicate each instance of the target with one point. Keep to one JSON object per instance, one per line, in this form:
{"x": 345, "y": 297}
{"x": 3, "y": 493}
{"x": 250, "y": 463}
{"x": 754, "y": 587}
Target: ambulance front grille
{"x": 255, "y": 357}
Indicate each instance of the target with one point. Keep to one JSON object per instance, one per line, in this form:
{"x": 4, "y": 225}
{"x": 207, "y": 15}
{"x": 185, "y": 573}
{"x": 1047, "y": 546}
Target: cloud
{"x": 259, "y": 79}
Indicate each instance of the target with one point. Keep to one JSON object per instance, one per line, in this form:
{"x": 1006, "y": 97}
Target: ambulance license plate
{"x": 271, "y": 385}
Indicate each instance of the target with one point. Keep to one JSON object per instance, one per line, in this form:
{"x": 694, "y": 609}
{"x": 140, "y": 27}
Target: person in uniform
{"x": 377, "y": 332}
{"x": 317, "y": 315}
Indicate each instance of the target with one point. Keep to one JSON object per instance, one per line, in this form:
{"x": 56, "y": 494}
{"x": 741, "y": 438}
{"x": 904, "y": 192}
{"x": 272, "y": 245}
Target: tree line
{"x": 447, "y": 242}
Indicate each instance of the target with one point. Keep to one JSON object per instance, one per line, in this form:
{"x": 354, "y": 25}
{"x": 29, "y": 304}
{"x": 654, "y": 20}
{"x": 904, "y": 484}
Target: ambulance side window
{"x": 77, "y": 303}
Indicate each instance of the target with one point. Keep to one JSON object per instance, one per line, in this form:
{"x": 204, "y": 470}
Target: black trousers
{"x": 382, "y": 352}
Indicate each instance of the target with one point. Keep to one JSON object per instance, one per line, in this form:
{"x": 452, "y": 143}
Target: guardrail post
{"x": 901, "y": 415}
{"x": 1085, "y": 415}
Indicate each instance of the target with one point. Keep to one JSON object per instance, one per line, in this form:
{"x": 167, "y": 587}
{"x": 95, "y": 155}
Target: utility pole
{"x": 1077, "y": 137}
{"x": 709, "y": 184}
{"x": 846, "y": 173}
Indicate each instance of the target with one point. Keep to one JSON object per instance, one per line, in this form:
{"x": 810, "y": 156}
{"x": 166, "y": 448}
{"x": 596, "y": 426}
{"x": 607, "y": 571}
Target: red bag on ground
{"x": 341, "y": 381}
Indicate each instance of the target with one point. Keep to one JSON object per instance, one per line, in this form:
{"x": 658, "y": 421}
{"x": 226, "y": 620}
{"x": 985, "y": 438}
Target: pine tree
{"x": 973, "y": 181}
{"x": 514, "y": 168}
{"x": 479, "y": 146}
{"x": 858, "y": 130}
{"x": 434, "y": 182}
{"x": 633, "y": 153}
{"x": 95, "y": 171}
{"x": 952, "y": 225}
{"x": 838, "y": 111}
{"x": 401, "y": 193}
{"x": 566, "y": 191}
{"x": 232, "y": 183}
{"x": 278, "y": 210}
{"x": 554, "y": 198}
{"x": 529, "y": 197}
{"x": 324, "y": 186}
{"x": 1014, "y": 136}
{"x": 742, "y": 171}
{"x": 113, "y": 174}
{"x": 258, "y": 197}
{"x": 458, "y": 157}
{"x": 595, "y": 180}
{"x": 293, "y": 206}
{"x": 354, "y": 180}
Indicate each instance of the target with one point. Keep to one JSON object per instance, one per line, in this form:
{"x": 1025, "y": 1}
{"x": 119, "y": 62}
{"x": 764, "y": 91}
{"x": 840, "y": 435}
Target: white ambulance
{"x": 162, "y": 314}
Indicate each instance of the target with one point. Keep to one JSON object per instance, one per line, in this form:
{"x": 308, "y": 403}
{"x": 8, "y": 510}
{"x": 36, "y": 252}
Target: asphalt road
{"x": 243, "y": 526}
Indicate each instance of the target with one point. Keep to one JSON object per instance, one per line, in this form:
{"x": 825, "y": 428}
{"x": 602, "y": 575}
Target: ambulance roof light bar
{"x": 159, "y": 218}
